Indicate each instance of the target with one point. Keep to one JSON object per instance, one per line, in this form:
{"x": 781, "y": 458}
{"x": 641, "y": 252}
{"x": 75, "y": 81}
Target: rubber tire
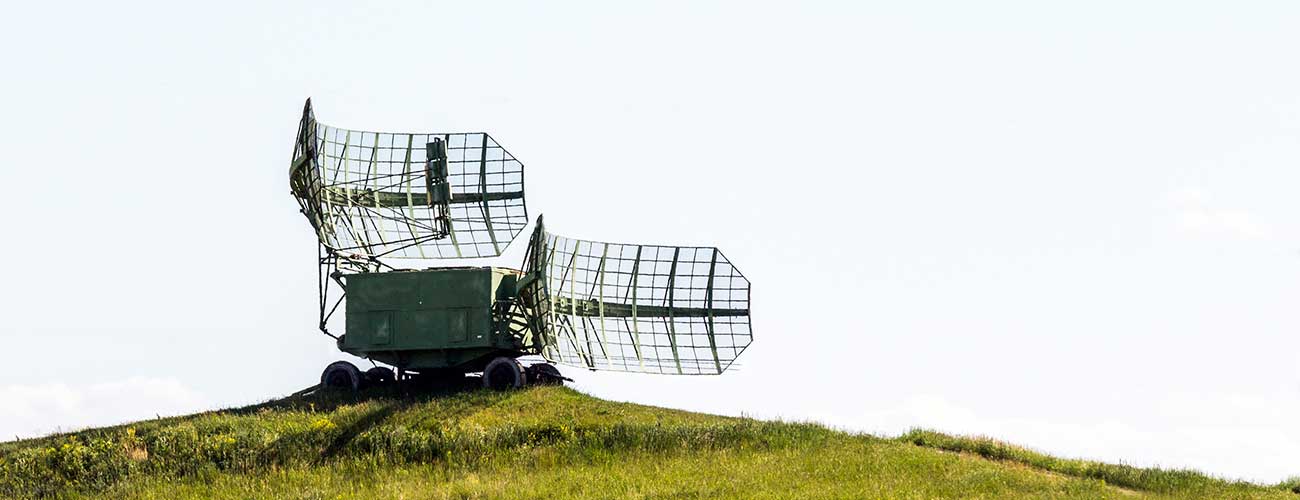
{"x": 504, "y": 373}
{"x": 341, "y": 375}
{"x": 379, "y": 376}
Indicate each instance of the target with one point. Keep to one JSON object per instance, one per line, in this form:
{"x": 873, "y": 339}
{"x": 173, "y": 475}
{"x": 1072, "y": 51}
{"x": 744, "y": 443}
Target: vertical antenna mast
{"x": 438, "y": 189}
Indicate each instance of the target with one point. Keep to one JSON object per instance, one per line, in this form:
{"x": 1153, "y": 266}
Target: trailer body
{"x": 432, "y": 319}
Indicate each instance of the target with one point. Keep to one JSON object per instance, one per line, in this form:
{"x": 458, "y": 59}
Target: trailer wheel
{"x": 341, "y": 375}
{"x": 378, "y": 376}
{"x": 504, "y": 373}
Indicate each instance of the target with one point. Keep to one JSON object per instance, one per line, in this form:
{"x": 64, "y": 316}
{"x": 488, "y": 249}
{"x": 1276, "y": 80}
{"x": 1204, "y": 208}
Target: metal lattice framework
{"x": 640, "y": 308}
{"x": 378, "y": 195}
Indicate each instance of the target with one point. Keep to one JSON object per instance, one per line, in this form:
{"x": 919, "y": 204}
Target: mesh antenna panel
{"x": 372, "y": 195}
{"x": 640, "y": 308}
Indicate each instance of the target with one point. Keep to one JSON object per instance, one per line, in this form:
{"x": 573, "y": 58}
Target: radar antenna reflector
{"x": 637, "y": 308}
{"x": 373, "y": 195}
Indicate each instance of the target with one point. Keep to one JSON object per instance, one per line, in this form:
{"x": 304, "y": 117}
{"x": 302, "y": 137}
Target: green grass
{"x": 548, "y": 442}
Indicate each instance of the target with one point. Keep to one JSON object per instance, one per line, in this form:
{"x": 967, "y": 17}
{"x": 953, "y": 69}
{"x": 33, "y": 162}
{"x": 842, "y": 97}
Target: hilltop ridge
{"x": 547, "y": 442}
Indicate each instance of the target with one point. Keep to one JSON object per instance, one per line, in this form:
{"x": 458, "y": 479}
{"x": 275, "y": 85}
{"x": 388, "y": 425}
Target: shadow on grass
{"x": 327, "y": 399}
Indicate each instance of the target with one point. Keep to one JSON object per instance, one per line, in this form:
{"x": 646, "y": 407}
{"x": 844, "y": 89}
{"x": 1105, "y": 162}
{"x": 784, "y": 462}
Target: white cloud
{"x": 1196, "y": 213}
{"x": 40, "y": 409}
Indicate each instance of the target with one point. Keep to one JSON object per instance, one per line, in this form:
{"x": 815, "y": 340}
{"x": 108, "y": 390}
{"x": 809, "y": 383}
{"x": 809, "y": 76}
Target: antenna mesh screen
{"x": 367, "y": 193}
{"x": 644, "y": 308}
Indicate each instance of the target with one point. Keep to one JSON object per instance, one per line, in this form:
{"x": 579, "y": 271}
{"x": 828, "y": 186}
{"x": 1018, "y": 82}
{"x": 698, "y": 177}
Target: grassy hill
{"x": 547, "y": 443}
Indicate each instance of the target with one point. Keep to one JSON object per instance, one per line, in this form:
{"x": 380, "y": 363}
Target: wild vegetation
{"x": 548, "y": 442}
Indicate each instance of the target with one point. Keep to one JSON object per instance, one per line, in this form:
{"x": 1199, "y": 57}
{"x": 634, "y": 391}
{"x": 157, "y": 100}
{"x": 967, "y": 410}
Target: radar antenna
{"x": 382, "y": 202}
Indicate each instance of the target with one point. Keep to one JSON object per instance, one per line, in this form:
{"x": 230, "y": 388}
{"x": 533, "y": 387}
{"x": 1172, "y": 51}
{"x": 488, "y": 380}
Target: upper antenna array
{"x": 373, "y": 195}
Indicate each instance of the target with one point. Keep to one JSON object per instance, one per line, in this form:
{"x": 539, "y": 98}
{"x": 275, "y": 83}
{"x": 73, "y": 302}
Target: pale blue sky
{"x": 1071, "y": 226}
